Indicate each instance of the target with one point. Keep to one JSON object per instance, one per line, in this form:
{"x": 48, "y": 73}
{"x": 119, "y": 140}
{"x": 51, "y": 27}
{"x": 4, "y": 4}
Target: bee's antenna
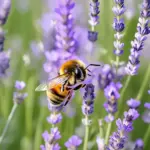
{"x": 89, "y": 75}
{"x": 91, "y": 65}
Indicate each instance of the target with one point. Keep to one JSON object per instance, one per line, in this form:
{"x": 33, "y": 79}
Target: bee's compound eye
{"x": 78, "y": 73}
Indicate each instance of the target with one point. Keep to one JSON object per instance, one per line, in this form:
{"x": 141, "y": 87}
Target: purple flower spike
{"x": 88, "y": 100}
{"x": 118, "y": 26}
{"x": 73, "y": 142}
{"x": 139, "y": 145}
{"x": 119, "y": 138}
{"x": 5, "y": 6}
{"x": 54, "y": 118}
{"x": 20, "y": 85}
{"x": 94, "y": 11}
{"x": 112, "y": 94}
{"x": 105, "y": 76}
{"x": 65, "y": 39}
{"x": 4, "y": 57}
{"x": 148, "y": 91}
{"x": 94, "y": 19}
{"x": 129, "y": 117}
{"x": 4, "y": 63}
{"x": 132, "y": 103}
{"x": 138, "y": 43}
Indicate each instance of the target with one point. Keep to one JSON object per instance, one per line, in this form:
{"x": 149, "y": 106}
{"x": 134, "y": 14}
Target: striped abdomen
{"x": 56, "y": 96}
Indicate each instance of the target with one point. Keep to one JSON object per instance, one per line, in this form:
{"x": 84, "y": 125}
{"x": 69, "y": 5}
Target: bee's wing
{"x": 61, "y": 79}
{"x": 42, "y": 87}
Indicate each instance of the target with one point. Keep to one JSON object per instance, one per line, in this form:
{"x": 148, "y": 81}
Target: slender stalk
{"x": 117, "y": 64}
{"x": 8, "y": 121}
{"x": 108, "y": 132}
{"x": 122, "y": 95}
{"x": 85, "y": 146}
{"x": 101, "y": 131}
{"x": 146, "y": 136}
{"x": 146, "y": 79}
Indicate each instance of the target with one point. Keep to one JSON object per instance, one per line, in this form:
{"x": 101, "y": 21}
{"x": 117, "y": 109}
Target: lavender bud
{"x": 133, "y": 103}
{"x": 88, "y": 100}
{"x": 112, "y": 94}
{"x": 139, "y": 145}
{"x": 4, "y": 63}
{"x": 18, "y": 97}
{"x": 54, "y": 118}
{"x": 92, "y": 36}
{"x": 73, "y": 143}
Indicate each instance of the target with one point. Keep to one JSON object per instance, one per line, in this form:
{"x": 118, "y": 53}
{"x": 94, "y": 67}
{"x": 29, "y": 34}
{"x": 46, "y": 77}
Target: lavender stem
{"x": 146, "y": 136}
{"x": 8, "y": 121}
{"x": 122, "y": 94}
{"x": 86, "y": 133}
{"x": 108, "y": 132}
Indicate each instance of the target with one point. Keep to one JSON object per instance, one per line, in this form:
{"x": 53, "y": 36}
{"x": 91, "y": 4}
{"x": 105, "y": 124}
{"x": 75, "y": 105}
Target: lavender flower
{"x": 139, "y": 145}
{"x": 73, "y": 143}
{"x": 65, "y": 43}
{"x": 129, "y": 117}
{"x": 64, "y": 29}
{"x": 4, "y": 57}
{"x": 133, "y": 103}
{"x": 51, "y": 139}
{"x": 5, "y": 6}
{"x": 119, "y": 138}
{"x": 148, "y": 91}
{"x": 88, "y": 100}
{"x": 19, "y": 96}
{"x": 112, "y": 94}
{"x": 118, "y": 26}
{"x": 138, "y": 43}
{"x": 54, "y": 118}
{"x": 105, "y": 76}
{"x": 4, "y": 63}
{"x": 146, "y": 115}
{"x": 20, "y": 85}
{"x": 55, "y": 108}
{"x": 94, "y": 19}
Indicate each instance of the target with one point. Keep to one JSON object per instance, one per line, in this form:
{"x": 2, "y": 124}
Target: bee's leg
{"x": 69, "y": 97}
{"x": 83, "y": 85}
{"x": 63, "y": 86}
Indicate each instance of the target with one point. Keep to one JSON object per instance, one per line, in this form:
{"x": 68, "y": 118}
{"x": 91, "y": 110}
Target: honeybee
{"x": 71, "y": 76}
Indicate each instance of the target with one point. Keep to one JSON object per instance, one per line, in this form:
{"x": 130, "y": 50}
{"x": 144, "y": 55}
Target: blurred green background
{"x": 30, "y": 118}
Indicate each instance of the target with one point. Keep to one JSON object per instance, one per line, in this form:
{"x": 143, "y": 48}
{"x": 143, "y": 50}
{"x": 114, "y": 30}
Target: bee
{"x": 71, "y": 76}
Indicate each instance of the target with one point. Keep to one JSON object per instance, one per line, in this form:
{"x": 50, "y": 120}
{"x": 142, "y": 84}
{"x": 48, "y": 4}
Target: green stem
{"x": 146, "y": 79}
{"x": 85, "y": 147}
{"x": 108, "y": 132}
{"x": 101, "y": 131}
{"x": 117, "y": 64}
{"x": 8, "y": 121}
{"x": 120, "y": 107}
{"x": 147, "y": 134}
